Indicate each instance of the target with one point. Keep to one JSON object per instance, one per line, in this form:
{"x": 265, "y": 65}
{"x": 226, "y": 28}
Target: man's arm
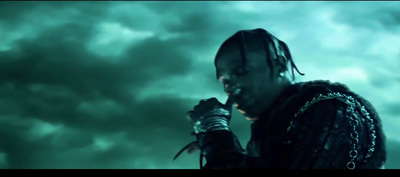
{"x": 222, "y": 150}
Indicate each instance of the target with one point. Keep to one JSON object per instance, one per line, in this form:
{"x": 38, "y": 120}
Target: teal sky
{"x": 107, "y": 84}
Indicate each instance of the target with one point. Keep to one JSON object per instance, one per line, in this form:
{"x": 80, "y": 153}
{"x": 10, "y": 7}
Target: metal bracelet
{"x": 211, "y": 124}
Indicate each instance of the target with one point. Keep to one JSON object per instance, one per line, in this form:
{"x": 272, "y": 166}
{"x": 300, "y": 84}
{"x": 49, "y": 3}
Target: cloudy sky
{"x": 107, "y": 84}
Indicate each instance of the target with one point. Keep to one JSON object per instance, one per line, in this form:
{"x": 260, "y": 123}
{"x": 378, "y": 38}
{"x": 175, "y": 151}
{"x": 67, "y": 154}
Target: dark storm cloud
{"x": 13, "y": 12}
{"x": 49, "y": 77}
{"x": 57, "y": 59}
{"x": 65, "y": 106}
{"x": 382, "y": 16}
{"x": 25, "y": 151}
{"x": 393, "y": 154}
{"x": 392, "y": 109}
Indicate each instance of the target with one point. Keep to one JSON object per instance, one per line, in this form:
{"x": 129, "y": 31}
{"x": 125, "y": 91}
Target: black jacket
{"x": 298, "y": 132}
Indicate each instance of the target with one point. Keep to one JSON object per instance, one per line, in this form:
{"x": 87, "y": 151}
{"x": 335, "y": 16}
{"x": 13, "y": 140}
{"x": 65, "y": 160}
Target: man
{"x": 307, "y": 125}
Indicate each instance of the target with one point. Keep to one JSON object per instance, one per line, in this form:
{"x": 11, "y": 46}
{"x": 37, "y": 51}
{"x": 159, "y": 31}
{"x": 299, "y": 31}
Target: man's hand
{"x": 210, "y": 115}
{"x": 210, "y": 121}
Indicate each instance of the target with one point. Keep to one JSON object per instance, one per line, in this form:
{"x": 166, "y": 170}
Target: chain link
{"x": 353, "y": 135}
{"x": 352, "y": 104}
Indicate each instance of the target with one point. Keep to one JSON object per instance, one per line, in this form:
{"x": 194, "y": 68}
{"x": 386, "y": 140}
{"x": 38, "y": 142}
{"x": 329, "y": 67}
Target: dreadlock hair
{"x": 275, "y": 49}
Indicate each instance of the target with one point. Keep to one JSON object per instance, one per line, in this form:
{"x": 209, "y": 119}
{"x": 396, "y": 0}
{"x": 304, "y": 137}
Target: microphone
{"x": 229, "y": 103}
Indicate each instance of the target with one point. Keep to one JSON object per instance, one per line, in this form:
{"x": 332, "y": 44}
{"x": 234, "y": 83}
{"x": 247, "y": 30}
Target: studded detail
{"x": 352, "y": 106}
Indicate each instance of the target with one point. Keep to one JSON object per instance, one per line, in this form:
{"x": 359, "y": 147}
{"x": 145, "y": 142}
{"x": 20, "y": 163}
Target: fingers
{"x": 213, "y": 100}
{"x": 228, "y": 104}
{"x": 201, "y": 103}
{"x": 206, "y": 105}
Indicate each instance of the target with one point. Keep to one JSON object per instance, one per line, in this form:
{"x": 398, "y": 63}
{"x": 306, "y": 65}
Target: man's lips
{"x": 243, "y": 112}
{"x": 240, "y": 103}
{"x": 240, "y": 107}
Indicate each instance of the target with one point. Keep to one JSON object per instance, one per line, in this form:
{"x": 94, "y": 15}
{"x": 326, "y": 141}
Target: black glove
{"x": 210, "y": 120}
{"x": 210, "y": 115}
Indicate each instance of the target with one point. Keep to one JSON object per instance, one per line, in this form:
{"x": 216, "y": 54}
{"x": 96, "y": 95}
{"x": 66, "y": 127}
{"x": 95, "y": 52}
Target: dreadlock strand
{"x": 289, "y": 56}
{"x": 242, "y": 48}
{"x": 267, "y": 52}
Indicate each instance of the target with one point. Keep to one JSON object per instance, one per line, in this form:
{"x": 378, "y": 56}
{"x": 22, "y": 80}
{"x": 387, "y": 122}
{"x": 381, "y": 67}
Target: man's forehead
{"x": 228, "y": 60}
{"x": 228, "y": 57}
{"x": 227, "y": 63}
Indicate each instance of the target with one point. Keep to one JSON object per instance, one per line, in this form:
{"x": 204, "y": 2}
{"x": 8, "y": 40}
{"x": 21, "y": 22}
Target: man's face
{"x": 251, "y": 85}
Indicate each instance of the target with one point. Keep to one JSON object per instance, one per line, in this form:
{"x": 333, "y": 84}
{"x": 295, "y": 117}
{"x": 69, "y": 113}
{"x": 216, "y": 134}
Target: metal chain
{"x": 354, "y": 136}
{"x": 350, "y": 110}
{"x": 371, "y": 129}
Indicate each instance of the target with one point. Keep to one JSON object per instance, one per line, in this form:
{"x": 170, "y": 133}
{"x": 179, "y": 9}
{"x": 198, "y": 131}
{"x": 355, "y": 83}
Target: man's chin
{"x": 248, "y": 115}
{"x": 251, "y": 118}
